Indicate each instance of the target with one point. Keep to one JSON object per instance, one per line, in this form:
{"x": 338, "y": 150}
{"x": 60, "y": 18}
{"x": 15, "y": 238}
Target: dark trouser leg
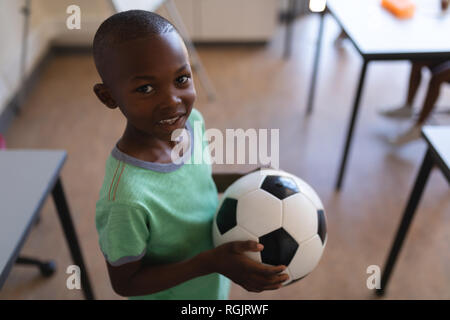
{"x": 433, "y": 93}
{"x": 352, "y": 124}
{"x": 312, "y": 89}
{"x": 341, "y": 37}
{"x": 414, "y": 81}
{"x": 71, "y": 237}
{"x": 408, "y": 215}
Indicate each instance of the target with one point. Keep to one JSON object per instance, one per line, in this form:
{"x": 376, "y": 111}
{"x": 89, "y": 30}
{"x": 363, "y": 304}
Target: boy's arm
{"x": 136, "y": 279}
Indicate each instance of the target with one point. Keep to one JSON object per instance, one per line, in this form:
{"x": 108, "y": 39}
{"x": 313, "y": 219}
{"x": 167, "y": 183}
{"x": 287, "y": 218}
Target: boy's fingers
{"x": 264, "y": 270}
{"x": 273, "y": 283}
{"x": 273, "y": 287}
{"x": 270, "y": 270}
{"x": 243, "y": 246}
{"x": 270, "y": 281}
{"x": 282, "y": 278}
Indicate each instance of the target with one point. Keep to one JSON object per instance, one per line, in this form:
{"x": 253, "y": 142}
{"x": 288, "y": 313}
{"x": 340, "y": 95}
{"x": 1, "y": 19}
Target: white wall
{"x": 93, "y": 13}
{"x": 213, "y": 20}
{"x": 11, "y": 27}
{"x": 47, "y": 24}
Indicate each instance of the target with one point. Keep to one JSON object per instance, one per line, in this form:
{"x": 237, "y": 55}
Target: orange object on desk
{"x": 402, "y": 9}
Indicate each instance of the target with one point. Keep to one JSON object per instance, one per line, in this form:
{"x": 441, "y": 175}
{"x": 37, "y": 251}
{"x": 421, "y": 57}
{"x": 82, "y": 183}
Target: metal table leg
{"x": 352, "y": 124}
{"x": 312, "y": 89}
{"x": 71, "y": 237}
{"x": 408, "y": 215}
{"x": 290, "y": 18}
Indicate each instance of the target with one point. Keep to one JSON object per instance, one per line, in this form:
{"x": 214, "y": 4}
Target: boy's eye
{"x": 183, "y": 79}
{"x": 145, "y": 89}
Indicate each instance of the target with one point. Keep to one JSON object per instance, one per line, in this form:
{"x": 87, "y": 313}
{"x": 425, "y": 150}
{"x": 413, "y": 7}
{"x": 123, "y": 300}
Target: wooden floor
{"x": 257, "y": 89}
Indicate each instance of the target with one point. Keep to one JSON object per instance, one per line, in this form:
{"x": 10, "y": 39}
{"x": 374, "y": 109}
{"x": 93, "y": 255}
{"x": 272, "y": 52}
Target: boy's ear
{"x": 103, "y": 95}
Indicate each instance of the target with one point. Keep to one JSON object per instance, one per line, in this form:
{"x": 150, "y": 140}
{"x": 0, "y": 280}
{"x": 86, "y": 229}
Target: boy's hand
{"x": 229, "y": 259}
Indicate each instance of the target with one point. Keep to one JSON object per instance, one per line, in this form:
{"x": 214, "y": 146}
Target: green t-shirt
{"x": 161, "y": 213}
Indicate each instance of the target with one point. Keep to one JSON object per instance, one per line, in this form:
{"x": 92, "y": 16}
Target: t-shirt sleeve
{"x": 123, "y": 233}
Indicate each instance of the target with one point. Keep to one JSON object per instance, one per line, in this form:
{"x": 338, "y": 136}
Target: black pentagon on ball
{"x": 280, "y": 187}
{"x": 322, "y": 225}
{"x": 226, "y": 217}
{"x": 279, "y": 247}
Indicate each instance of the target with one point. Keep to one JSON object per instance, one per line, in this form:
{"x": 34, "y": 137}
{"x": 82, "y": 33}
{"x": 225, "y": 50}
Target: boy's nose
{"x": 172, "y": 99}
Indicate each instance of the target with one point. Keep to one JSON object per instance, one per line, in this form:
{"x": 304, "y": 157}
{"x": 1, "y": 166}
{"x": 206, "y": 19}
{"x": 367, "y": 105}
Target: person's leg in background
{"x": 440, "y": 75}
{"x": 340, "y": 38}
{"x": 406, "y": 110}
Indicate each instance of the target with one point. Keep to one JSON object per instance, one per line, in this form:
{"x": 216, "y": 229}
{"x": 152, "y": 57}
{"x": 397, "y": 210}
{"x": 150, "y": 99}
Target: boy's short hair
{"x": 125, "y": 26}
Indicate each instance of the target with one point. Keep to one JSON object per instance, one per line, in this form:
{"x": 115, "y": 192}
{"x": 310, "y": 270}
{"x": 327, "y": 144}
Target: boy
{"x": 154, "y": 216}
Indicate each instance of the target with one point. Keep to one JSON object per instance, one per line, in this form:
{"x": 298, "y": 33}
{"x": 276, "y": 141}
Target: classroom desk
{"x": 27, "y": 177}
{"x": 378, "y": 35}
{"x": 437, "y": 154}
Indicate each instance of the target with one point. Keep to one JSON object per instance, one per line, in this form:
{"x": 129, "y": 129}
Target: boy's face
{"x": 150, "y": 80}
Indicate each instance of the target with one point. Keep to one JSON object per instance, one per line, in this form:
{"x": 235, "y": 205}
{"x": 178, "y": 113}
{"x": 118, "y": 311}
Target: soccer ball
{"x": 278, "y": 210}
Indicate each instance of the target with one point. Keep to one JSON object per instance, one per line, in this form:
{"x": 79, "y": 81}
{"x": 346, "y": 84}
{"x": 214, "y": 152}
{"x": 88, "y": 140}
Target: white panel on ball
{"x": 259, "y": 212}
{"x": 300, "y": 217}
{"x": 240, "y": 187}
{"x": 309, "y": 192}
{"x": 307, "y": 257}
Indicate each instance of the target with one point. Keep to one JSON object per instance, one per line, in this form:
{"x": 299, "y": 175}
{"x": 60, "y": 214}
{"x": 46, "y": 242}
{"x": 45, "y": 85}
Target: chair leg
{"x": 46, "y": 268}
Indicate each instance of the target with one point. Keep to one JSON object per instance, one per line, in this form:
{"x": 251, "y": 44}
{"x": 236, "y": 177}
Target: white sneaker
{"x": 404, "y": 112}
{"x": 409, "y": 135}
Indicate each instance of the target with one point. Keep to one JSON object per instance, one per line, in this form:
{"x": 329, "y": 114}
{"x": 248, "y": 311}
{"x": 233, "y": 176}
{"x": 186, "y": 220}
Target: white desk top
{"x": 375, "y": 31}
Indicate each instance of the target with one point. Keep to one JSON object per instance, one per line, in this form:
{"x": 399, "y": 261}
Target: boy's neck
{"x": 145, "y": 147}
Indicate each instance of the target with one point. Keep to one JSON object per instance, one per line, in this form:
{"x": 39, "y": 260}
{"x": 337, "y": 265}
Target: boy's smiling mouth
{"x": 169, "y": 121}
{"x": 172, "y": 120}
